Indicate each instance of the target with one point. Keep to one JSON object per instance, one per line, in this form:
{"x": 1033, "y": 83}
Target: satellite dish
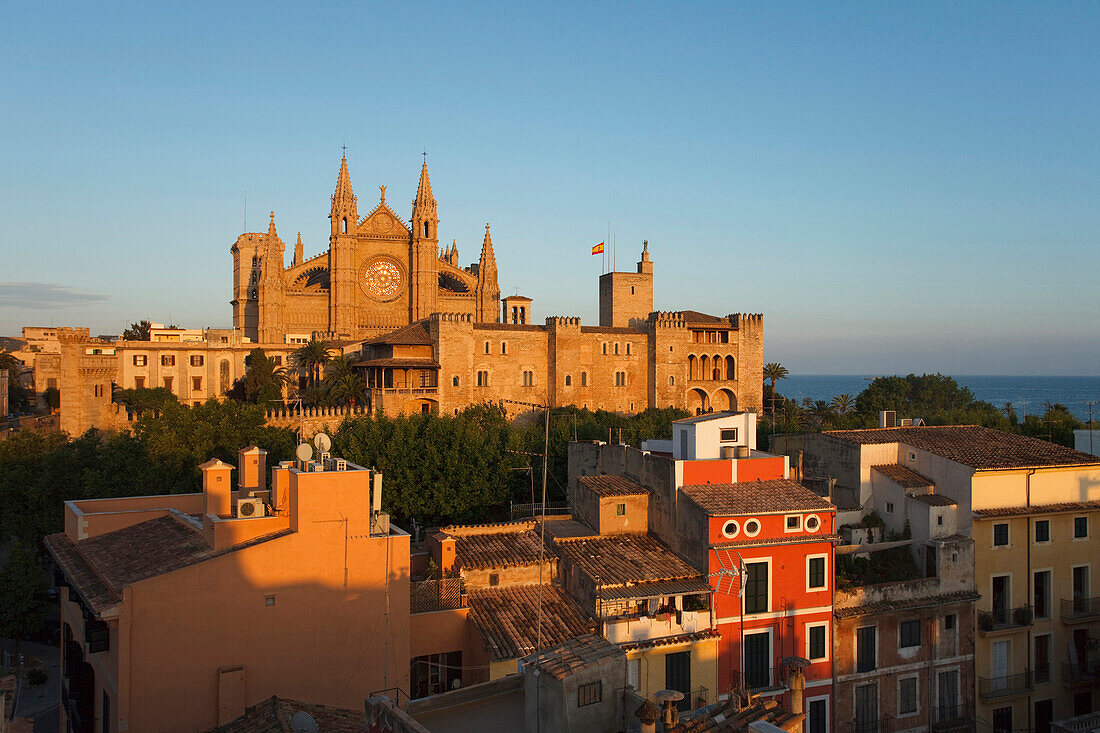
{"x": 322, "y": 441}
{"x": 304, "y": 452}
{"x": 303, "y": 722}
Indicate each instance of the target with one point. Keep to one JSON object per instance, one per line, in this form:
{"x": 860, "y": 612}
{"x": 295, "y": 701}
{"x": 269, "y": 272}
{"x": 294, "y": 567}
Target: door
{"x": 866, "y": 709}
{"x": 1000, "y": 599}
{"x": 1002, "y": 720}
{"x": 998, "y": 665}
{"x": 757, "y": 660}
{"x": 1080, "y": 589}
{"x": 947, "y": 696}
{"x": 1044, "y": 714}
{"x": 678, "y": 676}
{"x": 817, "y": 719}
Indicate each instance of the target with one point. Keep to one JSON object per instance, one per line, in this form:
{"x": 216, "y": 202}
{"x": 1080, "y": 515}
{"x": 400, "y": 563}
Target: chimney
{"x": 251, "y": 470}
{"x": 280, "y": 486}
{"x": 797, "y": 682}
{"x": 216, "y": 487}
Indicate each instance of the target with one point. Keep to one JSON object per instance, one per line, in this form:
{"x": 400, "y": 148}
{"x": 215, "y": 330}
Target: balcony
{"x": 1080, "y": 610}
{"x": 995, "y": 688}
{"x": 623, "y": 629}
{"x": 1085, "y": 673}
{"x": 445, "y": 594}
{"x": 951, "y": 717}
{"x": 771, "y": 681}
{"x": 1004, "y": 620}
{"x": 884, "y": 724}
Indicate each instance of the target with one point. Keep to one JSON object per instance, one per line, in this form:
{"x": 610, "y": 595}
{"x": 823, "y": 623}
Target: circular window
{"x": 730, "y": 528}
{"x": 383, "y": 278}
{"x": 752, "y": 527}
{"x": 812, "y": 523}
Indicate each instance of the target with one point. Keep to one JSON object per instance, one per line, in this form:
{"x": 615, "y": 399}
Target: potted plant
{"x": 985, "y": 621}
{"x": 1022, "y": 616}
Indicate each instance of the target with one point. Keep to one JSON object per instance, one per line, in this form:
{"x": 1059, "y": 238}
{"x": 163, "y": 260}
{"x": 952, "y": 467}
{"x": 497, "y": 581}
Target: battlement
{"x": 750, "y": 320}
{"x": 573, "y": 321}
{"x": 68, "y": 335}
{"x": 452, "y": 317}
{"x": 667, "y": 319}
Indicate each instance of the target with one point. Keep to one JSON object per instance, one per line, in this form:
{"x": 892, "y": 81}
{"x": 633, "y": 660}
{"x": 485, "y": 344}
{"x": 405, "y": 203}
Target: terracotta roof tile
{"x": 408, "y": 363}
{"x": 697, "y": 318}
{"x": 498, "y": 549}
{"x": 624, "y": 559}
{"x": 1016, "y": 511}
{"x": 575, "y": 655}
{"x": 508, "y": 327}
{"x": 756, "y": 497}
{"x": 974, "y": 446}
{"x": 905, "y": 604}
{"x": 667, "y": 640}
{"x": 274, "y": 714}
{"x": 414, "y": 334}
{"x": 934, "y": 499}
{"x": 612, "y": 485}
{"x": 612, "y": 330}
{"x": 794, "y": 539}
{"x": 902, "y": 476}
{"x": 507, "y": 619}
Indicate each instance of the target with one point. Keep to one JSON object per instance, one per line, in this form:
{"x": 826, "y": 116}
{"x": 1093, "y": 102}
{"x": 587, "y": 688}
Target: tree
{"x": 137, "y": 331}
{"x": 18, "y": 398}
{"x": 22, "y": 594}
{"x": 842, "y": 403}
{"x": 52, "y": 397}
{"x": 350, "y": 389}
{"x": 821, "y": 411}
{"x": 262, "y": 382}
{"x": 935, "y": 398}
{"x": 141, "y": 400}
{"x": 773, "y": 372}
{"x": 312, "y": 359}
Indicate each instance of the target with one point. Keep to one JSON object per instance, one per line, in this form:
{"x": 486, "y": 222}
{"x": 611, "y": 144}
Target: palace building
{"x": 428, "y": 335}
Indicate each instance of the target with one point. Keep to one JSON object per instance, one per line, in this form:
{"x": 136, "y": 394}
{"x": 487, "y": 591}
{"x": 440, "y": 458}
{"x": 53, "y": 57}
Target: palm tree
{"x": 311, "y": 359}
{"x": 338, "y": 367}
{"x": 822, "y": 411}
{"x": 349, "y": 389}
{"x": 774, "y": 372}
{"x": 843, "y": 402}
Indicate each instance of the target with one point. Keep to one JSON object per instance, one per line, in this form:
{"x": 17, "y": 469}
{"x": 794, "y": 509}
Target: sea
{"x": 1028, "y": 395}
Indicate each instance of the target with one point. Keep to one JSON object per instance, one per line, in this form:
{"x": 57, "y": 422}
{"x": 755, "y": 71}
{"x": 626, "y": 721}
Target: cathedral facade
{"x": 379, "y": 273}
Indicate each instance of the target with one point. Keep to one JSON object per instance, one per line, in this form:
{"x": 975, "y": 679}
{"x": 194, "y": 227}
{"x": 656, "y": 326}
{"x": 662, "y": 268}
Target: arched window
{"x": 692, "y": 366}
{"x": 717, "y": 368}
{"x": 731, "y": 372}
{"x": 504, "y": 347}
{"x": 672, "y": 381}
{"x": 605, "y": 348}
{"x": 584, "y": 379}
{"x": 628, "y": 349}
{"x": 704, "y": 371}
{"x": 568, "y": 380}
{"x": 454, "y": 381}
{"x": 344, "y": 225}
{"x": 486, "y": 347}
{"x": 616, "y": 349}
{"x": 426, "y": 229}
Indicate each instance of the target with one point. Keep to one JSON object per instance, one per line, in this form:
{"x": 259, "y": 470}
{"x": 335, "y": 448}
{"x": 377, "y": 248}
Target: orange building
{"x": 183, "y": 610}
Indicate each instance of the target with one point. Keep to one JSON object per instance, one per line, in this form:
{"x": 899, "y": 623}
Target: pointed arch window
{"x": 344, "y": 225}
{"x": 426, "y": 229}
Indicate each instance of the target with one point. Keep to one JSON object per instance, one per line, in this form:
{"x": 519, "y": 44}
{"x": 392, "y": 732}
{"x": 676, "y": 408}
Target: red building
{"x": 765, "y": 541}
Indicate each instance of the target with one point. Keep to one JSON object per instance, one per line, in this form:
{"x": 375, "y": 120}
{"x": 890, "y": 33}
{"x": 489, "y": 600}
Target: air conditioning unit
{"x": 336, "y": 464}
{"x": 906, "y": 422}
{"x": 249, "y": 508}
{"x": 323, "y": 457}
{"x": 315, "y": 466}
{"x": 887, "y": 419}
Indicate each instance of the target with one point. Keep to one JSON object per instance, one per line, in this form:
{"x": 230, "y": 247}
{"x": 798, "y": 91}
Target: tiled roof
{"x": 101, "y": 566}
{"x": 655, "y": 590}
{"x": 729, "y": 715}
{"x": 408, "y": 363}
{"x": 794, "y": 539}
{"x": 611, "y": 330}
{"x": 274, "y": 715}
{"x": 498, "y": 549}
{"x": 507, "y": 619}
{"x": 669, "y": 640}
{"x": 695, "y": 317}
{"x": 612, "y": 485}
{"x": 624, "y": 559}
{"x": 974, "y": 446}
{"x": 575, "y": 655}
{"x": 1018, "y": 511}
{"x": 414, "y": 334}
{"x": 568, "y": 528}
{"x": 904, "y": 477}
{"x": 508, "y": 327}
{"x": 934, "y": 499}
{"x": 756, "y": 497}
{"x": 905, "y": 604}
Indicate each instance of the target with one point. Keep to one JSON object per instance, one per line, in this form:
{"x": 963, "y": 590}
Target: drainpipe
{"x": 1030, "y": 587}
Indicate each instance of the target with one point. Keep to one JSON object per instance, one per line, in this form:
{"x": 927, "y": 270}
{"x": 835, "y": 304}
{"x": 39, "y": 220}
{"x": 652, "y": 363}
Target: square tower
{"x": 626, "y": 298}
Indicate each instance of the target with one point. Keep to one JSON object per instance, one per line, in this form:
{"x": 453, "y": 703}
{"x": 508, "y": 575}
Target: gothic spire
{"x": 344, "y": 212}
{"x": 298, "y": 250}
{"x": 424, "y": 190}
{"x": 343, "y": 182}
{"x": 487, "y": 255}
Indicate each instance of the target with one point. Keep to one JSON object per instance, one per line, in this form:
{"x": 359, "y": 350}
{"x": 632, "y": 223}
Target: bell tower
{"x": 341, "y": 264}
{"x": 423, "y": 251}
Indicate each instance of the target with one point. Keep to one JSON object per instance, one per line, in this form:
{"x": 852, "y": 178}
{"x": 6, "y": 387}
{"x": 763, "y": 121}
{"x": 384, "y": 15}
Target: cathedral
{"x": 378, "y": 274}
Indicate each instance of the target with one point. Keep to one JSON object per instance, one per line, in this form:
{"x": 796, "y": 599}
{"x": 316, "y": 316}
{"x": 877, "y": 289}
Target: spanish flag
{"x": 598, "y": 249}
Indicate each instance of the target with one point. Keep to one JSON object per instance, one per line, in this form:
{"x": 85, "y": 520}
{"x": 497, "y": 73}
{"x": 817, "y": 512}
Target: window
{"x": 628, "y": 349}
{"x": 616, "y": 349}
{"x": 494, "y": 579}
{"x": 278, "y": 359}
{"x": 454, "y": 381}
{"x": 907, "y": 696}
{"x": 1042, "y": 530}
{"x": 486, "y": 347}
{"x": 812, "y": 523}
{"x": 1041, "y": 661}
{"x": 949, "y": 622}
{"x": 909, "y": 634}
{"x": 1002, "y": 720}
{"x": 939, "y": 520}
{"x": 620, "y": 379}
{"x": 97, "y": 390}
{"x": 51, "y": 383}
{"x": 1080, "y": 528}
{"x": 730, "y": 528}
{"x": 196, "y": 384}
{"x": 816, "y": 641}
{"x": 528, "y": 379}
{"x": 816, "y": 572}
{"x": 889, "y": 507}
{"x": 503, "y": 347}
{"x": 752, "y": 527}
{"x": 620, "y": 510}
{"x": 865, "y": 649}
{"x": 672, "y": 381}
{"x": 269, "y": 600}
{"x": 589, "y": 694}
{"x": 1000, "y": 535}
{"x": 584, "y": 379}
{"x": 139, "y": 382}
{"x": 483, "y": 379}
{"x": 756, "y": 587}
{"x": 632, "y": 290}
{"x": 793, "y": 523}
{"x": 196, "y": 360}
{"x": 1041, "y": 595}
{"x": 728, "y": 435}
{"x": 568, "y": 380}
{"x": 167, "y": 359}
{"x": 604, "y": 349}
{"x": 818, "y": 716}
{"x": 106, "y": 727}
{"x": 140, "y": 359}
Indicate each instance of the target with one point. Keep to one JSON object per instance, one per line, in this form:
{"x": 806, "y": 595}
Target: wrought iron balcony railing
{"x": 1075, "y": 610}
{"x": 1005, "y": 686}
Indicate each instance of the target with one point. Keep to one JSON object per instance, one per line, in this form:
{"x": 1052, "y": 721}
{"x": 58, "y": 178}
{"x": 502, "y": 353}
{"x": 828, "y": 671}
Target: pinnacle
{"x": 271, "y": 224}
{"x": 343, "y": 182}
{"x": 487, "y": 247}
{"x": 424, "y": 190}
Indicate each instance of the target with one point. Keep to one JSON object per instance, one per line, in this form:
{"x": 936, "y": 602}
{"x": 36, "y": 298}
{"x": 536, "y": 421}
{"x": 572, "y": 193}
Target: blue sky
{"x": 897, "y": 187}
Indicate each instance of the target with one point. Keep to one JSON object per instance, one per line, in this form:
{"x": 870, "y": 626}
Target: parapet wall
{"x": 311, "y": 420}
